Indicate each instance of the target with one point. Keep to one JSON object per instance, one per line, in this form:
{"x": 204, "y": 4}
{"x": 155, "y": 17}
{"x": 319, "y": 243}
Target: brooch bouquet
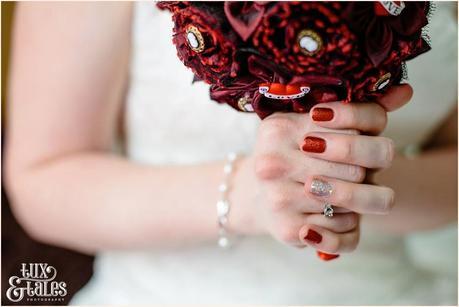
{"x": 267, "y": 57}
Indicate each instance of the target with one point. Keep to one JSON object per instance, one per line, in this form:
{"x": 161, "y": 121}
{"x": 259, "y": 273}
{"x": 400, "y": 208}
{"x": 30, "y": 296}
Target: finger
{"x": 339, "y": 223}
{"x": 328, "y": 241}
{"x": 285, "y": 227}
{"x": 396, "y": 97}
{"x": 360, "y": 198}
{"x": 369, "y": 118}
{"x": 278, "y": 131}
{"x": 310, "y": 166}
{"x": 290, "y": 198}
{"x": 361, "y": 150}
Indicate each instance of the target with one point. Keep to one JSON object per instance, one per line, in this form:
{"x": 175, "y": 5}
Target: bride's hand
{"x": 294, "y": 155}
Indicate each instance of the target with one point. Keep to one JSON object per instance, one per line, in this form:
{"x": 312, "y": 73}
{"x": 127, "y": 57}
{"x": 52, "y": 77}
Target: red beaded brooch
{"x": 267, "y": 57}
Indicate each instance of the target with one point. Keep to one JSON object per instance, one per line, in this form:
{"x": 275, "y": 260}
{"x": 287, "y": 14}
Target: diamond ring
{"x": 328, "y": 210}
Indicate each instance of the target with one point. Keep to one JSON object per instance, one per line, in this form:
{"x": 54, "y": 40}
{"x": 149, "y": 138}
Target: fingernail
{"x": 313, "y": 236}
{"x": 326, "y": 257}
{"x": 321, "y": 188}
{"x": 314, "y": 144}
{"x": 322, "y": 114}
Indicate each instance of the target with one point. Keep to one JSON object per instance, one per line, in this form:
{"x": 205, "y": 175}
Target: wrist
{"x": 242, "y": 219}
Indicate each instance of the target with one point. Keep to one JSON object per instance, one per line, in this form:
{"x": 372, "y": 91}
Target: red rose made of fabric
{"x": 202, "y": 44}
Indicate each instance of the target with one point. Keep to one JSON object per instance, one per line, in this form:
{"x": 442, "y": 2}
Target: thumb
{"x": 396, "y": 97}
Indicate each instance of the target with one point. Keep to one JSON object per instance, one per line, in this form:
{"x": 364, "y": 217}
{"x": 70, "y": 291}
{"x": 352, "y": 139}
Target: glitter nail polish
{"x": 321, "y": 188}
{"x": 314, "y": 144}
{"x": 322, "y": 114}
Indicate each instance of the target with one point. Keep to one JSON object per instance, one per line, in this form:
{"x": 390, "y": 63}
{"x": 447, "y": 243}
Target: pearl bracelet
{"x": 223, "y": 205}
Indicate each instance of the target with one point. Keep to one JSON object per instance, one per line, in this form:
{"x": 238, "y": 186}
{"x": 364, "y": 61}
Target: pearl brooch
{"x": 309, "y": 41}
{"x": 195, "y": 39}
{"x": 382, "y": 82}
{"x": 244, "y": 104}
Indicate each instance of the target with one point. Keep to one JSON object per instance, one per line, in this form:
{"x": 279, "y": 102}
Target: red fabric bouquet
{"x": 267, "y": 57}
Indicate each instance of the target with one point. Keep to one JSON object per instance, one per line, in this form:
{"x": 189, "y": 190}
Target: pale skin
{"x": 66, "y": 94}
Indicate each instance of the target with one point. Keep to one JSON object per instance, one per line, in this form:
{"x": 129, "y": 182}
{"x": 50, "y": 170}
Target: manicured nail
{"x": 313, "y": 236}
{"x": 322, "y": 114}
{"x": 326, "y": 257}
{"x": 321, "y": 188}
{"x": 314, "y": 144}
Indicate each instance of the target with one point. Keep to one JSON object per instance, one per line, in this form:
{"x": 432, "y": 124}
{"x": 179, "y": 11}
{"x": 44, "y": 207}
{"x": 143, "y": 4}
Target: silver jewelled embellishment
{"x": 382, "y": 82}
{"x": 321, "y": 188}
{"x": 328, "y": 210}
{"x": 244, "y": 104}
{"x": 195, "y": 39}
{"x": 309, "y": 41}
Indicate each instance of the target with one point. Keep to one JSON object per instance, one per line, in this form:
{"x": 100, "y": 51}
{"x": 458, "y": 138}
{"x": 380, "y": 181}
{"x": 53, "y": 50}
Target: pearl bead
{"x": 223, "y": 242}
{"x": 227, "y": 169}
{"x": 222, "y": 208}
{"x": 232, "y": 156}
{"x": 223, "y": 188}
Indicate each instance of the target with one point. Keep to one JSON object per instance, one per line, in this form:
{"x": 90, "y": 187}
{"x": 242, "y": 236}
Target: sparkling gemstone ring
{"x": 328, "y": 210}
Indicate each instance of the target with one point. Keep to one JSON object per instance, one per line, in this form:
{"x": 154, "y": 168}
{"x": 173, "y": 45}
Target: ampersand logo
{"x": 37, "y": 282}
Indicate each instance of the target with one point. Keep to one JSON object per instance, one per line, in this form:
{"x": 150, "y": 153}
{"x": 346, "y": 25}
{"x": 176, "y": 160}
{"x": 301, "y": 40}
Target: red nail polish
{"x": 314, "y": 144}
{"x": 322, "y": 114}
{"x": 313, "y": 236}
{"x": 326, "y": 257}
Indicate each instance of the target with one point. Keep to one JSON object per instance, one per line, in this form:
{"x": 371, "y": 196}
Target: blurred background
{"x": 17, "y": 247}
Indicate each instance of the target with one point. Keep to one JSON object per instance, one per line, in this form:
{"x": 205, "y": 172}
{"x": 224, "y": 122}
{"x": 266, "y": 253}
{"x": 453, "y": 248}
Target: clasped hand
{"x": 302, "y": 162}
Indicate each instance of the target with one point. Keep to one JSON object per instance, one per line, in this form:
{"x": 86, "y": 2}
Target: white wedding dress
{"x": 171, "y": 121}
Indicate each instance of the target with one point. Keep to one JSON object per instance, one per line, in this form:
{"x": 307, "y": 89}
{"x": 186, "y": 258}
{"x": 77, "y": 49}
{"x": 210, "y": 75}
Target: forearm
{"x": 99, "y": 201}
{"x": 425, "y": 189}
